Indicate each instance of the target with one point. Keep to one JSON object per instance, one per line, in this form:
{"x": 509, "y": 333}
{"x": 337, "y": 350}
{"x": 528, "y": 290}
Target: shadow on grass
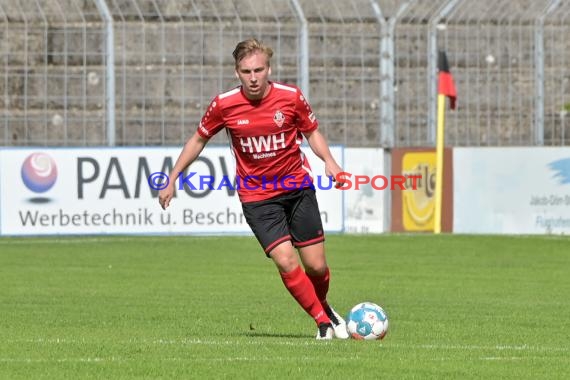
{"x": 256, "y": 334}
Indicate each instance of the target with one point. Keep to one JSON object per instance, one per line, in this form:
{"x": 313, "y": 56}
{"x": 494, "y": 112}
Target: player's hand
{"x": 332, "y": 170}
{"x": 165, "y": 195}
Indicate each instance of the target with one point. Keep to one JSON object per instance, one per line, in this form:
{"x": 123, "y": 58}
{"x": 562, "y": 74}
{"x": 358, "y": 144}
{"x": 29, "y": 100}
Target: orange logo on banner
{"x": 418, "y": 206}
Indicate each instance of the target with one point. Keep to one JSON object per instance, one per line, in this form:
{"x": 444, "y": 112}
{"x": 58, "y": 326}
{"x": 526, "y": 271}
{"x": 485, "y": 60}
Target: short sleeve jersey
{"x": 266, "y": 137}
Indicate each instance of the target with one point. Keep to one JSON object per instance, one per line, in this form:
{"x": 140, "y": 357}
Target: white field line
{"x": 412, "y": 236}
{"x": 272, "y": 359}
{"x": 498, "y": 347}
{"x": 102, "y": 239}
{"x": 263, "y": 342}
{"x": 113, "y": 239}
{"x": 63, "y": 241}
{"x": 298, "y": 343}
{"x": 181, "y": 359}
{"x": 61, "y": 360}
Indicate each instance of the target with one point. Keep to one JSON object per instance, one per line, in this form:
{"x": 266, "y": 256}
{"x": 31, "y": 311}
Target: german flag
{"x": 445, "y": 84}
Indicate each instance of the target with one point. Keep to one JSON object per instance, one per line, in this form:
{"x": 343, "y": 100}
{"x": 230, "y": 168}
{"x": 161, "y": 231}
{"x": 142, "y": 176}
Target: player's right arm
{"x": 190, "y": 152}
{"x": 212, "y": 122}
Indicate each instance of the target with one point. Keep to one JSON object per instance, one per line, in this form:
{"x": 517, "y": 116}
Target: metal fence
{"x": 141, "y": 72}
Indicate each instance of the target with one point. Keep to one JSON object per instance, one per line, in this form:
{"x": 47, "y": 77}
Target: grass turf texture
{"x": 214, "y": 307}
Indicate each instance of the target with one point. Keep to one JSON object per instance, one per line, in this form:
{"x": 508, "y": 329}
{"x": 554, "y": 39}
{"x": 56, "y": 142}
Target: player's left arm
{"x": 308, "y": 124}
{"x": 320, "y": 147}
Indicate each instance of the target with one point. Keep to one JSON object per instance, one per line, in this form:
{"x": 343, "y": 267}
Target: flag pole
{"x": 445, "y": 88}
{"x": 440, "y": 143}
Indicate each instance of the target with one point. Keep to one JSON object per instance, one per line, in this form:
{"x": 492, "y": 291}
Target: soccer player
{"x": 266, "y": 122}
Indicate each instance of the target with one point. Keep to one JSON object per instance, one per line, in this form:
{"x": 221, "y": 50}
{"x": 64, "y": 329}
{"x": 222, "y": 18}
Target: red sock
{"x": 321, "y": 285}
{"x": 302, "y": 290}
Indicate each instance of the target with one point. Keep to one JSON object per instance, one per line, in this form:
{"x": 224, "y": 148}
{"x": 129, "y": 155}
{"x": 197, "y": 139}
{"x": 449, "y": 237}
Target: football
{"x": 367, "y": 321}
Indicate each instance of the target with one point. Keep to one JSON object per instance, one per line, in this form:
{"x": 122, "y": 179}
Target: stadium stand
{"x": 510, "y": 60}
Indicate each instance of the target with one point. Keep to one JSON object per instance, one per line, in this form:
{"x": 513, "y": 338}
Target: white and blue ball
{"x": 367, "y": 321}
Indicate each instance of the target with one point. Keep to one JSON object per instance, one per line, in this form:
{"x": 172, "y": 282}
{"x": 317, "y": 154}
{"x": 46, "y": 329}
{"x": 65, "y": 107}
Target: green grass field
{"x": 463, "y": 307}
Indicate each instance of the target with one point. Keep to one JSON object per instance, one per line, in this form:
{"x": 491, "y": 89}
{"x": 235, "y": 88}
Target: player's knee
{"x": 316, "y": 269}
{"x": 286, "y": 266}
{"x": 285, "y": 259}
{"x": 314, "y": 259}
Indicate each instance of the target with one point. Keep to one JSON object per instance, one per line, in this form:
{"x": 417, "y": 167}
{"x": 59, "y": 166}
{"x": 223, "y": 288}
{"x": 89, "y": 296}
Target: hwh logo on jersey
{"x": 258, "y": 144}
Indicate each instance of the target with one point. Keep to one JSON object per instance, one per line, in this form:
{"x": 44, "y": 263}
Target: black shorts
{"x": 291, "y": 216}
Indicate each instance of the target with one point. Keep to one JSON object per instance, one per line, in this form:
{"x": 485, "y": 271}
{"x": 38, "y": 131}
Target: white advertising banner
{"x": 365, "y": 206}
{"x": 107, "y": 191}
{"x": 511, "y": 190}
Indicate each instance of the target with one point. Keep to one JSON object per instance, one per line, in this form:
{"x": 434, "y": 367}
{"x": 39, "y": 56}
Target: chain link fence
{"x": 51, "y": 60}
{"x": 141, "y": 72}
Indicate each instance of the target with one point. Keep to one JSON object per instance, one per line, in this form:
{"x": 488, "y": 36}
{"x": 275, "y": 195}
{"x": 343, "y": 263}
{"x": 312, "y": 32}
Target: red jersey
{"x": 266, "y": 137}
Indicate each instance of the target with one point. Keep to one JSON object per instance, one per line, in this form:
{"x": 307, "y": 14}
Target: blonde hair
{"x": 249, "y": 46}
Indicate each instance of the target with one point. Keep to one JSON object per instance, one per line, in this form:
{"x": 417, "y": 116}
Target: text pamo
{"x": 342, "y": 181}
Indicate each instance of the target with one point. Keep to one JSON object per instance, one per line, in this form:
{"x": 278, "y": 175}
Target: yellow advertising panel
{"x": 418, "y": 206}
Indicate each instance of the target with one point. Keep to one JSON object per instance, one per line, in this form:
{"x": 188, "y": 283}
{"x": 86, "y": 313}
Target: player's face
{"x": 253, "y": 72}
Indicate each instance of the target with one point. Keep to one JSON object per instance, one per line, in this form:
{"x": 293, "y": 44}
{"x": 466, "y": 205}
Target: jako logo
{"x": 562, "y": 170}
{"x": 39, "y": 172}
